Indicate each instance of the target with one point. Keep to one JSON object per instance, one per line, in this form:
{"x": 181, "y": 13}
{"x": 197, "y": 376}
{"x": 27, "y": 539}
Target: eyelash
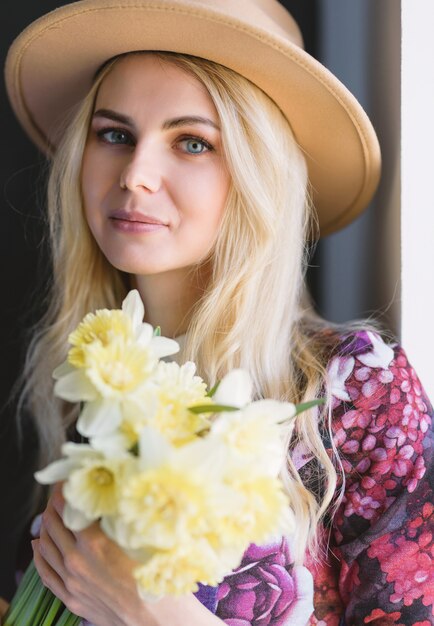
{"x": 130, "y": 141}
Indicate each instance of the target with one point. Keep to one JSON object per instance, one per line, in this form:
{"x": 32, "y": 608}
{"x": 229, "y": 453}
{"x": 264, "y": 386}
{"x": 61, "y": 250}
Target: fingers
{"x": 50, "y": 552}
{"x": 53, "y": 532}
{"x": 48, "y": 575}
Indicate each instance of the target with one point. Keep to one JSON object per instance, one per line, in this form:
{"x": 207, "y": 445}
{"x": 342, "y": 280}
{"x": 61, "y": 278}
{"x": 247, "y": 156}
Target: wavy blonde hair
{"x": 255, "y": 312}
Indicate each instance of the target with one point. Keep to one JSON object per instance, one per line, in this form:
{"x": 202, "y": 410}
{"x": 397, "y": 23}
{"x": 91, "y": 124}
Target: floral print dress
{"x": 379, "y": 565}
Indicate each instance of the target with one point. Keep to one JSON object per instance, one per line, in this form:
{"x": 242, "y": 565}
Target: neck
{"x": 169, "y": 298}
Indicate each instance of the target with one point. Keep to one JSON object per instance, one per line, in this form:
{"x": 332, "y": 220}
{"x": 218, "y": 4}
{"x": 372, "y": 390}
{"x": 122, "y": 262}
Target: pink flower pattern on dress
{"x": 379, "y": 568}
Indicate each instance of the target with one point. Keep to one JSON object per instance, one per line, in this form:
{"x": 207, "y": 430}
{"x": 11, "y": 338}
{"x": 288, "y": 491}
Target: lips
{"x": 136, "y": 216}
{"x": 136, "y": 222}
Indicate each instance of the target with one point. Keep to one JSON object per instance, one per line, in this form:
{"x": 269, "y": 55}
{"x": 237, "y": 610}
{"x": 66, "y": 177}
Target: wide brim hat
{"x": 52, "y": 63}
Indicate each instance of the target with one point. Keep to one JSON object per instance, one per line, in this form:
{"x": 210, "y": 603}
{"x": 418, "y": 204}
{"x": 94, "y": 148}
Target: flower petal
{"x": 144, "y": 335}
{"x": 63, "y": 369}
{"x": 58, "y": 470}
{"x": 133, "y": 307}
{"x": 112, "y": 445}
{"x": 162, "y": 346}
{"x": 154, "y": 448}
{"x": 99, "y": 418}
{"x": 75, "y": 387}
{"x": 75, "y": 520}
{"x": 235, "y": 389}
{"x": 273, "y": 410}
{"x": 78, "y": 450}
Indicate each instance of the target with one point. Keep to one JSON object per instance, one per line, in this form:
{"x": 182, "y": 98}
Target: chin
{"x": 138, "y": 267}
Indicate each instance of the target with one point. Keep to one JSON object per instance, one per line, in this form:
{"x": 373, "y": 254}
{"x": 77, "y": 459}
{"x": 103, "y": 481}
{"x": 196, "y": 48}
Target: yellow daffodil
{"x": 178, "y": 389}
{"x": 112, "y": 358}
{"x": 170, "y": 498}
{"x": 163, "y": 405}
{"x": 263, "y": 511}
{"x": 177, "y": 572}
{"x": 104, "y": 326}
{"x": 101, "y": 327}
{"x": 164, "y": 507}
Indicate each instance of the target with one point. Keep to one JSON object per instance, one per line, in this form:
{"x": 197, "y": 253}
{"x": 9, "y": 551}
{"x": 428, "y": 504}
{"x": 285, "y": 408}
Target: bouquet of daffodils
{"x": 181, "y": 477}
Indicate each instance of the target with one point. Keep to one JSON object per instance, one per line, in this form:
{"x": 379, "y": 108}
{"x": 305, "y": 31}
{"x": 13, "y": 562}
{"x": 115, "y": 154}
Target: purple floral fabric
{"x": 266, "y": 589}
{"x": 379, "y": 568}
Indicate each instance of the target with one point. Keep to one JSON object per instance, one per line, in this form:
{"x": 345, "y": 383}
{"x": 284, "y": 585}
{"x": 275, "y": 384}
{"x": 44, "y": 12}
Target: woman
{"x": 192, "y": 174}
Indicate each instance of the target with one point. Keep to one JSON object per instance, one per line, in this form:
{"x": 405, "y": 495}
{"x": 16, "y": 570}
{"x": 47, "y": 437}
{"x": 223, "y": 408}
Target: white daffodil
{"x": 92, "y": 483}
{"x": 75, "y": 454}
{"x": 252, "y": 437}
{"x": 112, "y": 385}
{"x": 92, "y": 491}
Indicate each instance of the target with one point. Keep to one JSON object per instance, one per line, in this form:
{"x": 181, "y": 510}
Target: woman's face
{"x": 154, "y": 180}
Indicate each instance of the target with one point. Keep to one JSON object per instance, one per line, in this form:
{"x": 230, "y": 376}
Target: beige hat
{"x": 51, "y": 65}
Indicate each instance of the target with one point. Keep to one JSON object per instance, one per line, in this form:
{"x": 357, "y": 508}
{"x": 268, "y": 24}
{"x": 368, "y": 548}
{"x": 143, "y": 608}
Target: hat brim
{"x": 51, "y": 66}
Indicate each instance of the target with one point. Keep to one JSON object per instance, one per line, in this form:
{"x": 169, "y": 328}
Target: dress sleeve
{"x": 382, "y": 531}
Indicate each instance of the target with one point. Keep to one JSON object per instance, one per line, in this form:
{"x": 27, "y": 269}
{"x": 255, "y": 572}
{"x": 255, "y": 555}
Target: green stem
{"x": 44, "y": 605}
{"x": 35, "y": 605}
{"x": 52, "y": 612}
{"x": 26, "y": 588}
{"x": 32, "y": 606}
{"x": 68, "y": 619}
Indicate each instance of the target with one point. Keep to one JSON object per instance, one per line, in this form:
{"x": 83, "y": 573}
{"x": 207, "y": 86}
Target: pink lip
{"x": 135, "y": 222}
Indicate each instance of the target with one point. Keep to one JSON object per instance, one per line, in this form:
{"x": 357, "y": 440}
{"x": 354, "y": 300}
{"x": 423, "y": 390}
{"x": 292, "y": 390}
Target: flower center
{"x": 117, "y": 375}
{"x": 102, "y": 476}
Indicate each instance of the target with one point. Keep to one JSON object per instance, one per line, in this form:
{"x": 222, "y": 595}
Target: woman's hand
{"x": 87, "y": 571}
{"x": 93, "y": 577}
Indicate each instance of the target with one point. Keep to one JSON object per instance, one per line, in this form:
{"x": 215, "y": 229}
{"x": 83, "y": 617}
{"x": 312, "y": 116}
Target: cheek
{"x": 208, "y": 195}
{"x": 95, "y": 181}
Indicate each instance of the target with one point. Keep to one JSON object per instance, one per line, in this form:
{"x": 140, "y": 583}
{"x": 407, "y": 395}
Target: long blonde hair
{"x": 255, "y": 312}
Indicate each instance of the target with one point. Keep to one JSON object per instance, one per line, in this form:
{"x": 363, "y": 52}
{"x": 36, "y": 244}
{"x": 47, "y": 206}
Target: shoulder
{"x": 367, "y": 374}
{"x": 381, "y": 424}
{"x": 380, "y": 412}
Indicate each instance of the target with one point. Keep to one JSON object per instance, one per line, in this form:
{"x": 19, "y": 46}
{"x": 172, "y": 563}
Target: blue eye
{"x": 115, "y": 136}
{"x": 195, "y": 145}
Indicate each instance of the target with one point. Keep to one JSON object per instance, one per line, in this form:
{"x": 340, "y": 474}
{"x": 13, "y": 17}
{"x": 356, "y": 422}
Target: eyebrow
{"x": 175, "y": 122}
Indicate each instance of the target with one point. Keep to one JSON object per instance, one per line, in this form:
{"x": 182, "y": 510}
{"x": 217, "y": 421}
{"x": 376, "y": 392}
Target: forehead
{"x": 138, "y": 79}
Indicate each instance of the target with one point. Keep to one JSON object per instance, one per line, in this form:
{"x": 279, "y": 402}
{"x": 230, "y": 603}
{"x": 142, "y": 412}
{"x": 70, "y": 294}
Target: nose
{"x": 141, "y": 172}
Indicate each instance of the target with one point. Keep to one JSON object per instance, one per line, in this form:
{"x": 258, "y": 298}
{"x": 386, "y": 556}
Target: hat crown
{"x": 270, "y": 15}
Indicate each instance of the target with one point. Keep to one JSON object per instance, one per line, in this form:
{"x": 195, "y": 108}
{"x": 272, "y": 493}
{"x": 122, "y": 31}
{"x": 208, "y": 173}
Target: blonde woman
{"x": 196, "y": 150}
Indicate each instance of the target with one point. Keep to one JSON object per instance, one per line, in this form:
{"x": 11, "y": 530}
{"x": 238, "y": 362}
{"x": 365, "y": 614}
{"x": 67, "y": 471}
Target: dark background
{"x": 25, "y": 270}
